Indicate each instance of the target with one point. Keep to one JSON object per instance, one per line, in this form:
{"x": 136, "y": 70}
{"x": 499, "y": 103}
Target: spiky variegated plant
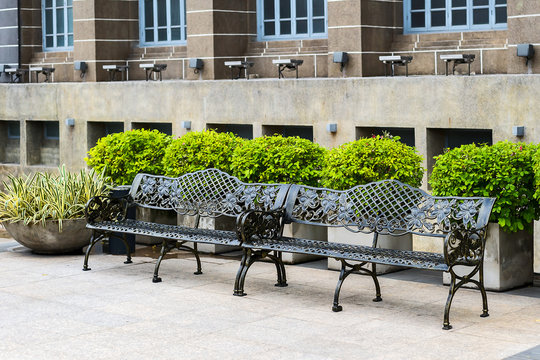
{"x": 39, "y": 197}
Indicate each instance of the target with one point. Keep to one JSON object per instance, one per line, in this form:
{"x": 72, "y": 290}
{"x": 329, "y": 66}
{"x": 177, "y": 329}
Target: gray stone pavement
{"x": 51, "y": 309}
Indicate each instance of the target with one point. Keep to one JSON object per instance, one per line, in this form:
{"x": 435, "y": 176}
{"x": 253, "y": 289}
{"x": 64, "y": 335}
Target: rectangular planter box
{"x": 536, "y": 247}
{"x": 219, "y": 223}
{"x": 311, "y": 232}
{"x": 342, "y": 235}
{"x": 154, "y": 216}
{"x": 508, "y": 260}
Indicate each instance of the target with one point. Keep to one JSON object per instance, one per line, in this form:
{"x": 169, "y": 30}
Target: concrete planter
{"x": 508, "y": 260}
{"x": 342, "y": 235}
{"x": 219, "y": 223}
{"x": 47, "y": 239}
{"x": 154, "y": 216}
{"x": 311, "y": 232}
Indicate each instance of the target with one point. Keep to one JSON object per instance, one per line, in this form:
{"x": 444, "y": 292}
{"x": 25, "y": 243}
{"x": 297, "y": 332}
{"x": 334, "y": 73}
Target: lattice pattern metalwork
{"x": 209, "y": 192}
{"x": 171, "y": 232}
{"x": 414, "y": 259}
{"x": 385, "y": 207}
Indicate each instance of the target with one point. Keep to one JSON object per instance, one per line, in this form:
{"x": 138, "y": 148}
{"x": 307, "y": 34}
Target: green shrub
{"x": 372, "y": 159}
{"x": 124, "y": 155}
{"x": 503, "y": 170}
{"x": 200, "y": 150}
{"x": 39, "y": 197}
{"x": 278, "y": 159}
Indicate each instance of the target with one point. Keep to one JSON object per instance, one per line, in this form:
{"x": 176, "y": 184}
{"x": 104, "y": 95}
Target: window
{"x": 51, "y": 130}
{"x": 290, "y": 19}
{"x": 58, "y": 24}
{"x": 13, "y": 130}
{"x": 454, "y": 15}
{"x": 162, "y": 22}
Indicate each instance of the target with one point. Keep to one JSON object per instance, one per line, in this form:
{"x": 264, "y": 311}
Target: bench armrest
{"x": 465, "y": 245}
{"x": 105, "y": 208}
{"x": 261, "y": 224}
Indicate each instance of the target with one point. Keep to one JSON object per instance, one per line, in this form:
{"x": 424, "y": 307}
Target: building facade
{"x": 129, "y": 32}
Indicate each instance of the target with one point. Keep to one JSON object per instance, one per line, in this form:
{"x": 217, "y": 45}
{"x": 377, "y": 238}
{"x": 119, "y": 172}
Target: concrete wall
{"x": 489, "y": 102}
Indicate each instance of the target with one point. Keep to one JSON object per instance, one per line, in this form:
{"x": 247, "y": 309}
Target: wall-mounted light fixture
{"x": 341, "y": 57}
{"x": 70, "y": 122}
{"x": 331, "y": 128}
{"x": 518, "y": 131}
{"x": 526, "y": 51}
{"x": 196, "y": 64}
{"x": 186, "y": 125}
{"x": 81, "y": 66}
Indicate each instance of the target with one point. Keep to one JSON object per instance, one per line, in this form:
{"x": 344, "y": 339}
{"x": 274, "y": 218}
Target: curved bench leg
{"x": 165, "y": 248}
{"x": 195, "y": 253}
{"x": 342, "y": 276}
{"x": 251, "y": 257}
{"x": 93, "y": 241}
{"x": 480, "y": 285}
{"x": 280, "y": 269}
{"x": 237, "y": 291}
{"x": 128, "y": 250}
{"x": 451, "y": 293}
{"x": 376, "y": 281}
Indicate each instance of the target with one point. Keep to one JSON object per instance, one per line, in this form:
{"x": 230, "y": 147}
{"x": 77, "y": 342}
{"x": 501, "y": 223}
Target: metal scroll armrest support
{"x": 465, "y": 245}
{"x": 104, "y": 208}
{"x": 260, "y": 224}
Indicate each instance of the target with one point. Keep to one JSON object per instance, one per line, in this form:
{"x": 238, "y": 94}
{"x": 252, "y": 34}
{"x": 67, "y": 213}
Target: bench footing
{"x": 284, "y": 284}
{"x": 447, "y": 327}
{"x": 128, "y": 262}
{"x": 86, "y": 268}
{"x": 236, "y": 293}
{"x": 337, "y": 308}
{"x": 197, "y": 273}
{"x": 484, "y": 314}
{"x": 156, "y": 280}
{"x": 377, "y": 299}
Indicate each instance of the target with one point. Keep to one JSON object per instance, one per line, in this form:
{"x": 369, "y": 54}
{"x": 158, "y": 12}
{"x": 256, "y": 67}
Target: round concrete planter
{"x": 47, "y": 239}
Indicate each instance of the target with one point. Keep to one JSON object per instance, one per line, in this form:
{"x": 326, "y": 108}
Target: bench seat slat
{"x": 415, "y": 259}
{"x": 171, "y": 232}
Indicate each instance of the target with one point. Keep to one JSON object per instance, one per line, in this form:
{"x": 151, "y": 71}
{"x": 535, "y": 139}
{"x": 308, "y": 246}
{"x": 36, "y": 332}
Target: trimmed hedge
{"x": 124, "y": 155}
{"x": 200, "y": 150}
{"x": 372, "y": 159}
{"x": 504, "y": 171}
{"x": 278, "y": 159}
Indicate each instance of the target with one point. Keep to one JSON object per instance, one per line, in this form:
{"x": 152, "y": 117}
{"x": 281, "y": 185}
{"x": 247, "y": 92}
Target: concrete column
{"x": 344, "y": 34}
{"x": 104, "y": 32}
{"x": 523, "y": 27}
{"x": 217, "y": 31}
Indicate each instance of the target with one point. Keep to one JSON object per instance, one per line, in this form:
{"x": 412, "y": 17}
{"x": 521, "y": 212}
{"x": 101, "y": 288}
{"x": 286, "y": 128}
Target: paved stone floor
{"x": 50, "y": 309}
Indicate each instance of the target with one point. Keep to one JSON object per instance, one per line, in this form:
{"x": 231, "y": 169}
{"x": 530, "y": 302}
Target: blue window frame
{"x": 57, "y": 19}
{"x": 162, "y": 22}
{"x": 292, "y": 19}
{"x": 422, "y": 16}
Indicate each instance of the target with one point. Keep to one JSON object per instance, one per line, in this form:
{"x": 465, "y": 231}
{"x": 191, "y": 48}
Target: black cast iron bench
{"x": 205, "y": 193}
{"x": 386, "y": 207}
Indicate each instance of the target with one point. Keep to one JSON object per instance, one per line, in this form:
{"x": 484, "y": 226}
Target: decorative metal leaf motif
{"x": 385, "y": 207}
{"x": 208, "y": 193}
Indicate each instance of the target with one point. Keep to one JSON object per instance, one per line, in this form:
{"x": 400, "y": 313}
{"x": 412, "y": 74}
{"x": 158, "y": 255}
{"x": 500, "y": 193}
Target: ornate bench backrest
{"x": 386, "y": 207}
{"x": 209, "y": 192}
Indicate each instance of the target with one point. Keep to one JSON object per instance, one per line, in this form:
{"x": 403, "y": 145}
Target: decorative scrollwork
{"x": 209, "y": 192}
{"x": 387, "y": 206}
{"x": 104, "y": 208}
{"x": 464, "y": 245}
{"x": 258, "y": 224}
